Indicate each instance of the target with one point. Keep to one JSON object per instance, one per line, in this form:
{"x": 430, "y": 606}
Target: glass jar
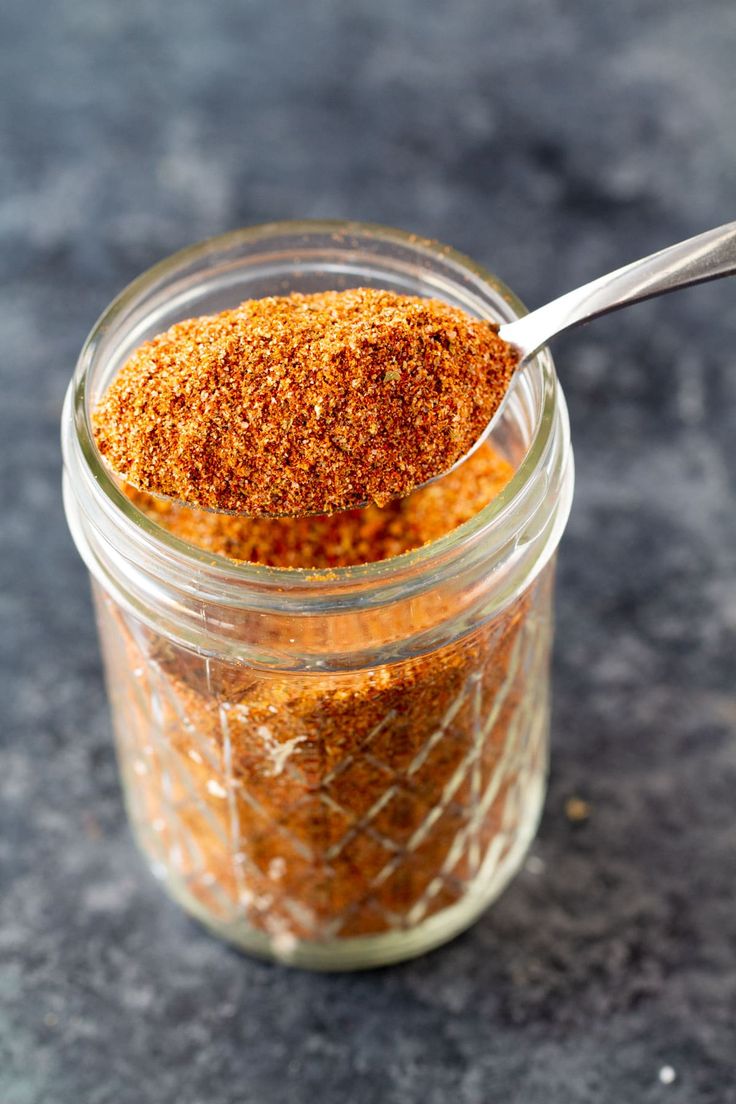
{"x": 335, "y": 768}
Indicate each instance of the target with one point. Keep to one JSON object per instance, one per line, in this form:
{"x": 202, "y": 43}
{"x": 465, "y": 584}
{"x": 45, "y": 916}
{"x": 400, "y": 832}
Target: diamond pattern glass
{"x": 332, "y": 817}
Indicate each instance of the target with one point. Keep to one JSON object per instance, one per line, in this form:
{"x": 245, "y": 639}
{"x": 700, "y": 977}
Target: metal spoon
{"x": 705, "y": 257}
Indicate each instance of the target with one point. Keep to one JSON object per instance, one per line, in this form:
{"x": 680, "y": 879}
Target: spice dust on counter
{"x": 304, "y": 404}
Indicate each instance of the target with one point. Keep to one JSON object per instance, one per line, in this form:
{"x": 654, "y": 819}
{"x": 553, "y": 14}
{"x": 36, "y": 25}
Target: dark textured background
{"x": 553, "y": 140}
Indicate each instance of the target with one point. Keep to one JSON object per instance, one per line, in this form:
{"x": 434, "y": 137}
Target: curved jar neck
{"x": 300, "y": 619}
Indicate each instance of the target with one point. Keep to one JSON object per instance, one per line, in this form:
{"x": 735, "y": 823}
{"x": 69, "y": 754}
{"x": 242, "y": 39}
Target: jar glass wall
{"x": 335, "y": 768}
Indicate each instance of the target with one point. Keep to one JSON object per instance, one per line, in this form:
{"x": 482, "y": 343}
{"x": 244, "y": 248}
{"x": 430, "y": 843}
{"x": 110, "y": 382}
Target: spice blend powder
{"x": 323, "y": 806}
{"x": 304, "y": 404}
{"x": 319, "y": 806}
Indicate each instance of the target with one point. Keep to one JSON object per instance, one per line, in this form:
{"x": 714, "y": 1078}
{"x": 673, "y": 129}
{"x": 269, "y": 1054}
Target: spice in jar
{"x": 317, "y": 806}
{"x": 347, "y": 538}
{"x": 304, "y": 404}
{"x": 311, "y": 805}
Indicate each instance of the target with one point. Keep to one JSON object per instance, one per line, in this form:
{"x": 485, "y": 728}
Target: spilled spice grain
{"x": 304, "y": 404}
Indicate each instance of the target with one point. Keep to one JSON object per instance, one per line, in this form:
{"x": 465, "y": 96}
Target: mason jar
{"x": 335, "y": 768}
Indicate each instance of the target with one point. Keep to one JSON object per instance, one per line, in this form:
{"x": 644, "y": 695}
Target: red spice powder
{"x": 304, "y": 404}
{"x": 316, "y": 806}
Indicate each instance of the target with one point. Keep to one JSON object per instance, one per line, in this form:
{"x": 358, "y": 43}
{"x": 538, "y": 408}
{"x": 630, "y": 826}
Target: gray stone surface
{"x": 552, "y": 140}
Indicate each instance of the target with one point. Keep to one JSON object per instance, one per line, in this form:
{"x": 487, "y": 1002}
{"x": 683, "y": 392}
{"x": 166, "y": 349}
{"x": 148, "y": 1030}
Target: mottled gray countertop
{"x": 552, "y": 141}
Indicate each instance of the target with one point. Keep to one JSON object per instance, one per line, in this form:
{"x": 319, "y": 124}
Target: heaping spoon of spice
{"x": 306, "y": 404}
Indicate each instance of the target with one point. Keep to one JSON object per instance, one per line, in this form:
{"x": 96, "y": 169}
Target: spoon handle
{"x": 705, "y": 257}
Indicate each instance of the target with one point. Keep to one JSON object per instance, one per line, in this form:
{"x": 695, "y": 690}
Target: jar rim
{"x": 224, "y": 571}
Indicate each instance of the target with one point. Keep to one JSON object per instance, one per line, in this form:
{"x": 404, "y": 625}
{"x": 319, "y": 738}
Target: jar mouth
{"x": 79, "y": 437}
